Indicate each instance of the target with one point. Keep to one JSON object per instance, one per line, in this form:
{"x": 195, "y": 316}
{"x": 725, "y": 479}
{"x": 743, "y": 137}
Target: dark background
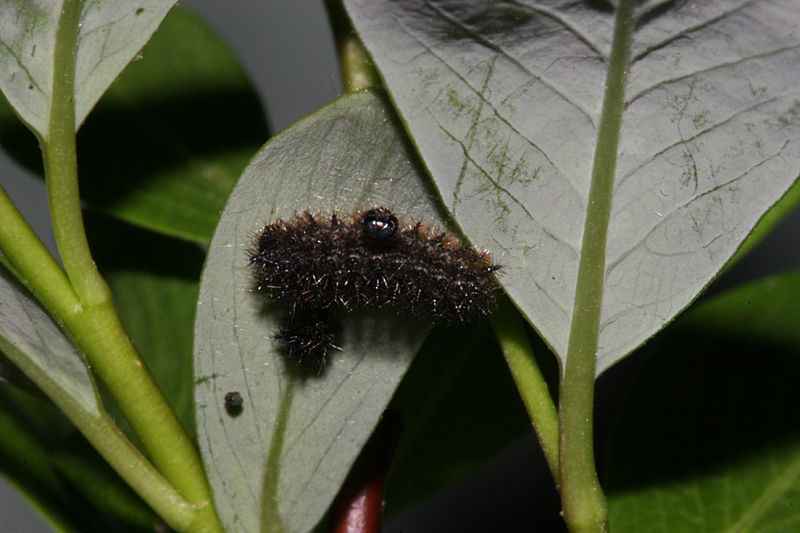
{"x": 287, "y": 50}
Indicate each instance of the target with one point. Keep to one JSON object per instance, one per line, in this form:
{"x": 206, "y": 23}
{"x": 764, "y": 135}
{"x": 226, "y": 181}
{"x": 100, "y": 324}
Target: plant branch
{"x": 584, "y": 504}
{"x": 40, "y": 272}
{"x": 91, "y": 319}
{"x": 33, "y": 264}
{"x": 357, "y": 69}
{"x": 115, "y": 448}
{"x": 532, "y": 387}
{"x": 61, "y": 166}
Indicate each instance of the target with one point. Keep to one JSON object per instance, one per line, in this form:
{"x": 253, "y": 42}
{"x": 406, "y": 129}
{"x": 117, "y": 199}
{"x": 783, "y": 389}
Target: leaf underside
{"x": 110, "y": 35}
{"x": 503, "y": 101}
{"x": 165, "y": 144}
{"x": 278, "y": 464}
{"x": 35, "y": 344}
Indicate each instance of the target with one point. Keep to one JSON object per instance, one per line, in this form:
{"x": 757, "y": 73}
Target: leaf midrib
{"x": 581, "y": 494}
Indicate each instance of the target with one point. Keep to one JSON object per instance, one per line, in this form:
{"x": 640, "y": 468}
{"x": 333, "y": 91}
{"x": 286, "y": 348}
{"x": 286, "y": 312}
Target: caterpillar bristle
{"x": 368, "y": 261}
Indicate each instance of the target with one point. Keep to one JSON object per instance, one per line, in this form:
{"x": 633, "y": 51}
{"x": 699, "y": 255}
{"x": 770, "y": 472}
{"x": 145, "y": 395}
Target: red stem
{"x": 358, "y": 507}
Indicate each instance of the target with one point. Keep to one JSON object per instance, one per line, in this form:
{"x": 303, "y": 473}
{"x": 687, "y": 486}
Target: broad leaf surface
{"x": 277, "y": 465}
{"x": 167, "y": 141}
{"x": 459, "y": 407}
{"x": 25, "y": 456}
{"x": 504, "y": 101}
{"x": 110, "y": 35}
{"x": 709, "y": 436}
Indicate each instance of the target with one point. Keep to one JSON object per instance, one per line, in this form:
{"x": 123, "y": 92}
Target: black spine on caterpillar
{"x": 308, "y": 333}
{"x": 371, "y": 262}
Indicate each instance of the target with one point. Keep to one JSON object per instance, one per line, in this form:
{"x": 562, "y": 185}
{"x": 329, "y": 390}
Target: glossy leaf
{"x": 504, "y": 102}
{"x": 708, "y": 438}
{"x": 459, "y": 407}
{"x": 42, "y": 454}
{"x": 25, "y": 457}
{"x": 277, "y": 465}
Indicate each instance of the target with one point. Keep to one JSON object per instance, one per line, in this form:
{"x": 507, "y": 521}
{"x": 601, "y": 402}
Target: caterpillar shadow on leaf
{"x": 370, "y": 261}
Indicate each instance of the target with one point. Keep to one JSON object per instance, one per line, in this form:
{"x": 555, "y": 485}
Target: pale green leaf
{"x": 110, "y": 35}
{"x": 33, "y": 342}
{"x": 279, "y": 463}
{"x": 504, "y": 103}
{"x": 165, "y": 144}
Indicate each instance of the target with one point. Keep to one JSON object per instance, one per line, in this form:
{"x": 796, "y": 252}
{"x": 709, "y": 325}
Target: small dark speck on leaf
{"x": 233, "y": 403}
{"x": 139, "y": 11}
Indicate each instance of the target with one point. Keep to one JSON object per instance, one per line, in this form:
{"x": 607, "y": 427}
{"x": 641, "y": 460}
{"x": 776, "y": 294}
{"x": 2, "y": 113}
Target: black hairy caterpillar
{"x": 368, "y": 262}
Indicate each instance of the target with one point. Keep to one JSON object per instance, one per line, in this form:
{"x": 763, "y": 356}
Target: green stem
{"x": 584, "y": 504}
{"x": 61, "y": 166}
{"x": 358, "y": 71}
{"x": 129, "y": 463}
{"x": 40, "y": 272}
{"x": 33, "y": 264}
{"x": 510, "y": 332}
{"x": 86, "y": 310}
{"x": 100, "y": 335}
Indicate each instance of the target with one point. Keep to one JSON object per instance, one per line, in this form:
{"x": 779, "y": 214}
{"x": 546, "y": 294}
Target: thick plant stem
{"x": 582, "y": 498}
{"x": 40, "y": 272}
{"x": 32, "y": 262}
{"x": 532, "y": 387}
{"x": 358, "y": 71}
{"x": 61, "y": 166}
{"x": 88, "y": 313}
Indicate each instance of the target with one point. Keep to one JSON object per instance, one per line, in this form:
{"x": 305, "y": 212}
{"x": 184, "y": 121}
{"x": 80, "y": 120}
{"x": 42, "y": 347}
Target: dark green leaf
{"x": 42, "y": 454}
{"x": 709, "y": 436}
{"x": 25, "y": 457}
{"x": 168, "y": 141}
{"x": 170, "y": 137}
{"x": 459, "y": 407}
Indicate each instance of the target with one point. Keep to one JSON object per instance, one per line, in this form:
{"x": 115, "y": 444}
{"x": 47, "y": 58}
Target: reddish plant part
{"x": 359, "y": 505}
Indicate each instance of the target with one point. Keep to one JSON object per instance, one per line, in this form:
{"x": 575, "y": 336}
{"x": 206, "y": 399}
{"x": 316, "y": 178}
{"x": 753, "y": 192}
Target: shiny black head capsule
{"x": 379, "y": 223}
